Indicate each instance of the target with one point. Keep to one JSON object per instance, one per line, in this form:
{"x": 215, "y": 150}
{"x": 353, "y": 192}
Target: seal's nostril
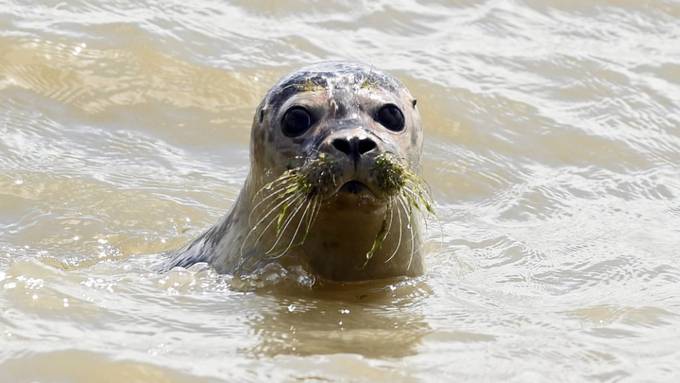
{"x": 366, "y": 145}
{"x": 354, "y": 147}
{"x": 342, "y": 145}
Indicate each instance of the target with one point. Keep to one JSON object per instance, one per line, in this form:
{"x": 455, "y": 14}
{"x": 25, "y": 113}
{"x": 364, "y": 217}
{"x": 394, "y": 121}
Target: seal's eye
{"x": 296, "y": 121}
{"x": 391, "y": 117}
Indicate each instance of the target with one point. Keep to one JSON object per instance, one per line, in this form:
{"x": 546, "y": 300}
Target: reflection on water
{"x": 370, "y": 319}
{"x": 552, "y": 146}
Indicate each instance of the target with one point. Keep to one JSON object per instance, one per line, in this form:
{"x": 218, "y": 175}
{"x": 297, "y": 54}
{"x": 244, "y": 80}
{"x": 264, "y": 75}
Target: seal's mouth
{"x": 354, "y": 187}
{"x": 356, "y": 193}
{"x": 358, "y": 189}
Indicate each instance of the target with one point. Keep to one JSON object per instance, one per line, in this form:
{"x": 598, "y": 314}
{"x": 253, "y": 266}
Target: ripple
{"x": 551, "y": 149}
{"x": 84, "y": 366}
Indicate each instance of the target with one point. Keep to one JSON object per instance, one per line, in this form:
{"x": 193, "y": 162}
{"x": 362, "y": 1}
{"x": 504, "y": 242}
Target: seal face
{"x": 333, "y": 183}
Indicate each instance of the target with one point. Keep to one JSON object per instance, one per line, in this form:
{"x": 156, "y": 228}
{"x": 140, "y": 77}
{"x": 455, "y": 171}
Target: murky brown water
{"x": 552, "y": 148}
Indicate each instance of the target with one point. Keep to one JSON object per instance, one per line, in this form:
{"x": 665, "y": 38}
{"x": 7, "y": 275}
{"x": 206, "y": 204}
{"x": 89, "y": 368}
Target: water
{"x": 552, "y": 148}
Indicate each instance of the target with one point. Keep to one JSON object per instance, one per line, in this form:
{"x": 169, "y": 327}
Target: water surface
{"x": 552, "y": 149}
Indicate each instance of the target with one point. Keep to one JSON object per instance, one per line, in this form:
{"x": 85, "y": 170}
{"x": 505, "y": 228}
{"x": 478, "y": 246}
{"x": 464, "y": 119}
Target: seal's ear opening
{"x": 414, "y": 102}
{"x": 261, "y": 115}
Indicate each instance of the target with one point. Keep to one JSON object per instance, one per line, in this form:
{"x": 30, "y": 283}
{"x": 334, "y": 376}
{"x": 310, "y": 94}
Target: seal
{"x": 334, "y": 181}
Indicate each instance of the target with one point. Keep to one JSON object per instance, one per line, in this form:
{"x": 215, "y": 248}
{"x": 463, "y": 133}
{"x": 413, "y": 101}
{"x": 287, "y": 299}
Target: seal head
{"x": 333, "y": 183}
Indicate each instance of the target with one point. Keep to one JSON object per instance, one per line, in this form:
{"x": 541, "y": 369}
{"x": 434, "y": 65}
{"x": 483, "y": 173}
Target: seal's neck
{"x": 339, "y": 246}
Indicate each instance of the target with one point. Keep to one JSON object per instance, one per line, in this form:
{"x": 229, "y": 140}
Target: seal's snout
{"x": 354, "y": 152}
{"x": 354, "y": 147}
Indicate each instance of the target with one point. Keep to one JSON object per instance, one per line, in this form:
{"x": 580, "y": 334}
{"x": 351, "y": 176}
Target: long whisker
{"x": 390, "y": 206}
{"x": 289, "y": 219}
{"x": 308, "y": 203}
{"x": 278, "y": 184}
{"x": 396, "y": 248}
{"x": 382, "y": 233}
{"x": 291, "y": 199}
{"x": 414, "y": 196}
{"x": 415, "y": 200}
{"x": 274, "y": 196}
{"x": 423, "y": 192}
{"x": 419, "y": 195}
{"x": 286, "y": 177}
{"x": 312, "y": 215}
{"x": 297, "y": 229}
{"x": 275, "y": 219}
{"x": 411, "y": 230}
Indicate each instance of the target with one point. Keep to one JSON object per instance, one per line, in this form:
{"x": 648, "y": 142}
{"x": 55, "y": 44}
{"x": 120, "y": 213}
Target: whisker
{"x": 297, "y": 229}
{"x": 289, "y": 219}
{"x": 291, "y": 199}
{"x": 390, "y": 206}
{"x": 411, "y": 191}
{"x": 271, "y": 222}
{"x": 382, "y": 233}
{"x": 396, "y": 248}
{"x": 419, "y": 195}
{"x": 312, "y": 216}
{"x": 414, "y": 202}
{"x": 275, "y": 194}
{"x": 411, "y": 230}
{"x": 286, "y": 177}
